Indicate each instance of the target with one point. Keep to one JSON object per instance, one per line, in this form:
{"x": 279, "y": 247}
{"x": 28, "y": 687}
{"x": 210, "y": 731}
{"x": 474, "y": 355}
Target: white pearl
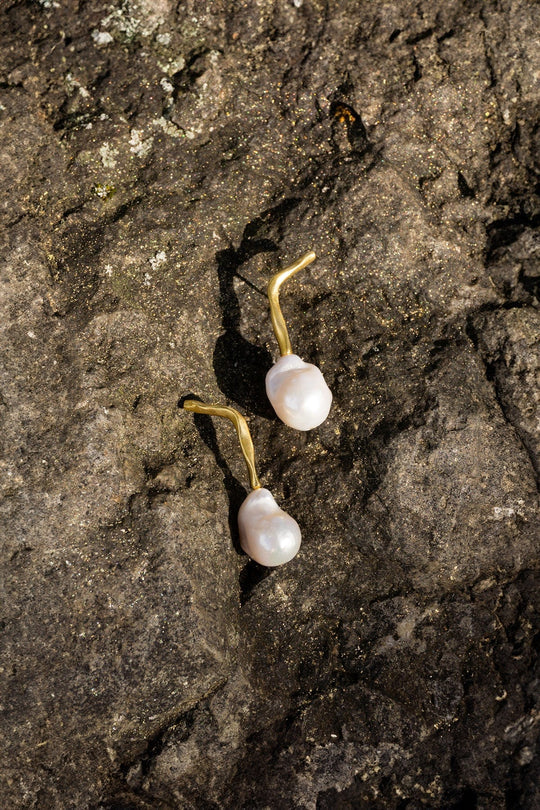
{"x": 267, "y": 534}
{"x": 298, "y": 392}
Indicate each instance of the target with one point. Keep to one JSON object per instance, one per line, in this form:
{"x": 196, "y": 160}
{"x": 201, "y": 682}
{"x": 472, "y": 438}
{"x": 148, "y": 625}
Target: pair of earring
{"x": 302, "y": 399}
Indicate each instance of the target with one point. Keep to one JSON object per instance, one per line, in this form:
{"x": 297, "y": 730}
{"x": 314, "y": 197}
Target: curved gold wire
{"x": 242, "y": 429}
{"x": 278, "y": 321}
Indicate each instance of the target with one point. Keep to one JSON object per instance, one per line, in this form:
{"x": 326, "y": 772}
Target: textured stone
{"x": 160, "y": 161}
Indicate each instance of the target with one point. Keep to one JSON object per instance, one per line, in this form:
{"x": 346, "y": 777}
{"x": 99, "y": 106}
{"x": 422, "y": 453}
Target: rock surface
{"x": 159, "y": 162}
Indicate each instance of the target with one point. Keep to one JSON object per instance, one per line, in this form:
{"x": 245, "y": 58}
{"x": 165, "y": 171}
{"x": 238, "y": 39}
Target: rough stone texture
{"x": 159, "y": 161}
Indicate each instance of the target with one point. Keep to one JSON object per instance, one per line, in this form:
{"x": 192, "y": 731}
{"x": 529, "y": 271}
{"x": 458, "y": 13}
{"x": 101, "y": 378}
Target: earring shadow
{"x": 250, "y": 576}
{"x": 240, "y": 366}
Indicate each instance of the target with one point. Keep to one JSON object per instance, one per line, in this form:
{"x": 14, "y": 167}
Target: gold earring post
{"x": 244, "y": 436}
{"x": 278, "y": 321}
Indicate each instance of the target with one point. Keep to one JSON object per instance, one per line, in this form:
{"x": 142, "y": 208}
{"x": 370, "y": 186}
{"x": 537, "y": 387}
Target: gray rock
{"x": 160, "y": 161}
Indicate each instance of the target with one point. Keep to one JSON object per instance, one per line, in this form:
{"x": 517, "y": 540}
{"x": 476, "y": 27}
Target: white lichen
{"x": 158, "y": 259}
{"x": 140, "y": 146}
{"x": 73, "y": 85}
{"x": 171, "y": 129}
{"x": 102, "y": 38}
{"x": 136, "y": 18}
{"x": 108, "y": 155}
{"x": 174, "y": 66}
{"x": 167, "y": 86}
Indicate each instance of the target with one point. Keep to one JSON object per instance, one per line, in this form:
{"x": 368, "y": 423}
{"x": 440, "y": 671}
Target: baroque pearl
{"x": 298, "y": 392}
{"x": 267, "y": 534}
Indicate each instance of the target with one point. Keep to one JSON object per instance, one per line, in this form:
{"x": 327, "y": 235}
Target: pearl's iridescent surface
{"x": 267, "y": 534}
{"x": 298, "y": 392}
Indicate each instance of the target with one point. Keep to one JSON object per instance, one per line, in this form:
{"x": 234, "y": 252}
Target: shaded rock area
{"x": 159, "y": 162}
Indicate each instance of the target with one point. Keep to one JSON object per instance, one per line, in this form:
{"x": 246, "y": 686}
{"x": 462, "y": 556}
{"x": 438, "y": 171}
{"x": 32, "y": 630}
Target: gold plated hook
{"x": 242, "y": 429}
{"x": 278, "y": 321}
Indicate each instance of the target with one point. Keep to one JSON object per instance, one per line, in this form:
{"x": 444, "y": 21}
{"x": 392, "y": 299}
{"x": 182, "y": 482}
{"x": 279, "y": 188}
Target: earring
{"x": 267, "y": 534}
{"x": 297, "y": 390}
